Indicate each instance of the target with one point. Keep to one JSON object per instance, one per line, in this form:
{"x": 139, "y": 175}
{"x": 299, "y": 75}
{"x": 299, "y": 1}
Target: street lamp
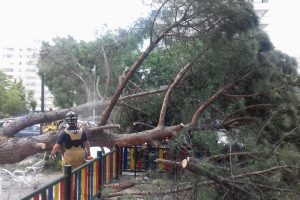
{"x": 94, "y": 97}
{"x": 42, "y": 93}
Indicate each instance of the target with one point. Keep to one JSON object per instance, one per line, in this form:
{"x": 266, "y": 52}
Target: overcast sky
{"x": 24, "y": 20}
{"x": 284, "y": 28}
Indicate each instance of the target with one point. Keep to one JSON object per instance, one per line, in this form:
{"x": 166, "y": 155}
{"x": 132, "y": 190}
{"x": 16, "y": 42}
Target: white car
{"x": 95, "y": 149}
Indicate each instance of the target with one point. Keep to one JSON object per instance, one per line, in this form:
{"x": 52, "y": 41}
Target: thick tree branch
{"x": 256, "y": 173}
{"x": 206, "y": 104}
{"x": 87, "y": 88}
{"x": 16, "y": 149}
{"x": 238, "y": 120}
{"x": 107, "y": 72}
{"x": 170, "y": 90}
{"x": 192, "y": 166}
{"x": 166, "y": 192}
{"x": 240, "y": 96}
{"x": 213, "y": 98}
{"x": 97, "y": 90}
{"x": 135, "y": 86}
{"x": 223, "y": 156}
{"x": 106, "y": 113}
{"x": 169, "y": 162}
{"x": 141, "y": 94}
{"x": 50, "y": 116}
{"x": 155, "y": 17}
{"x": 257, "y": 106}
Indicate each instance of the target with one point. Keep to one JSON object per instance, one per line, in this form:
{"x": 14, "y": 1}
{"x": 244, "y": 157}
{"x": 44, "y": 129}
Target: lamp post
{"x": 42, "y": 93}
{"x": 42, "y": 99}
{"x": 94, "y": 93}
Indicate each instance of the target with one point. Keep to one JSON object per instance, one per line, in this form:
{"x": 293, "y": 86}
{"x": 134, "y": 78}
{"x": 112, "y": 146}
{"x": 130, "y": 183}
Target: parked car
{"x": 34, "y": 130}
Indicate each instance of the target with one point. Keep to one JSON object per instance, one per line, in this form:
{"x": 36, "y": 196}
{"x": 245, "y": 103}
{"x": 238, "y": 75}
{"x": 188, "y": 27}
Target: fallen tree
{"x": 237, "y": 90}
{"x": 98, "y": 136}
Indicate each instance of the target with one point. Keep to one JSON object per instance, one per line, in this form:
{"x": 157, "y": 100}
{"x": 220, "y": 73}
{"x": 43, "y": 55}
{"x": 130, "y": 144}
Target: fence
{"x": 83, "y": 183}
{"x": 87, "y": 181}
{"x": 142, "y": 158}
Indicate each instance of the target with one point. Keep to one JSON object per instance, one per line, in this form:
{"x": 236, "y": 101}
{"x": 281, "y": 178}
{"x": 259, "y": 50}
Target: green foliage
{"x": 32, "y": 103}
{"x": 3, "y": 85}
{"x": 70, "y": 62}
{"x": 53, "y": 165}
{"x": 206, "y": 193}
{"x": 58, "y": 64}
{"x": 12, "y": 98}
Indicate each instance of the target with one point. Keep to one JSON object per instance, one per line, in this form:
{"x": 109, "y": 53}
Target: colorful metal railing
{"x": 87, "y": 181}
{"x": 142, "y": 158}
{"x": 83, "y": 183}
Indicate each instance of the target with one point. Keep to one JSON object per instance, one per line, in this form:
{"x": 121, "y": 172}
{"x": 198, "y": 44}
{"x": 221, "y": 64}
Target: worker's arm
{"x": 58, "y": 145}
{"x": 55, "y": 149}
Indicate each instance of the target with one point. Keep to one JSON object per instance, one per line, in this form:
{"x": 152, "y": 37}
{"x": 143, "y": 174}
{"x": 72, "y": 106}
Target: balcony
{"x": 261, "y": 6}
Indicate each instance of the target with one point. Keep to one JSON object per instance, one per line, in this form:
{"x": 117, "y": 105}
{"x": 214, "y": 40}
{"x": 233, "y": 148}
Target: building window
{"x": 30, "y": 77}
{"x": 30, "y": 84}
{"x": 30, "y": 62}
{"x": 8, "y": 69}
{"x": 34, "y": 55}
{"x": 30, "y": 70}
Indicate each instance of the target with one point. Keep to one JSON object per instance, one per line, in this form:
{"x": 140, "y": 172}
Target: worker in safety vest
{"x": 75, "y": 141}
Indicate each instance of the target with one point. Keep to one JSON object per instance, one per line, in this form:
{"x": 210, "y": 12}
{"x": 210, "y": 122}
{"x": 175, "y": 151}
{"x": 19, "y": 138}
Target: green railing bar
{"x": 67, "y": 187}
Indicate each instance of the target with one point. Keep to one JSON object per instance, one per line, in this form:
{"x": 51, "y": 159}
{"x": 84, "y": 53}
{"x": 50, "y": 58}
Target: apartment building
{"x": 261, "y": 8}
{"x": 20, "y": 63}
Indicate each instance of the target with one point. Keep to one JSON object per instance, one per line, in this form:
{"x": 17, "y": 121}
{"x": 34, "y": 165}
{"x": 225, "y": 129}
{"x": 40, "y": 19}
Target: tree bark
{"x": 191, "y": 165}
{"x": 16, "y": 149}
{"x": 44, "y": 117}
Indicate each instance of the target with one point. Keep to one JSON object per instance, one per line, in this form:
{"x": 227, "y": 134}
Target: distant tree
{"x": 3, "y": 85}
{"x": 31, "y": 101}
{"x": 71, "y": 63}
{"x": 15, "y": 103}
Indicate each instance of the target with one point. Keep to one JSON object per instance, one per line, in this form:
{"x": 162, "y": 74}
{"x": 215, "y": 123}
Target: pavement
{"x": 15, "y": 183}
{"x": 11, "y": 189}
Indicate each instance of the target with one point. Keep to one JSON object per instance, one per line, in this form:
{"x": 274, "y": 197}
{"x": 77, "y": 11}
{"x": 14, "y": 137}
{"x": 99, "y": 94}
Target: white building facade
{"x": 262, "y": 8}
{"x": 20, "y": 63}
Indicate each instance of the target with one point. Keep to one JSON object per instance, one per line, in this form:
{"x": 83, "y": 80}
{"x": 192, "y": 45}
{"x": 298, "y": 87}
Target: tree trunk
{"x": 16, "y": 149}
